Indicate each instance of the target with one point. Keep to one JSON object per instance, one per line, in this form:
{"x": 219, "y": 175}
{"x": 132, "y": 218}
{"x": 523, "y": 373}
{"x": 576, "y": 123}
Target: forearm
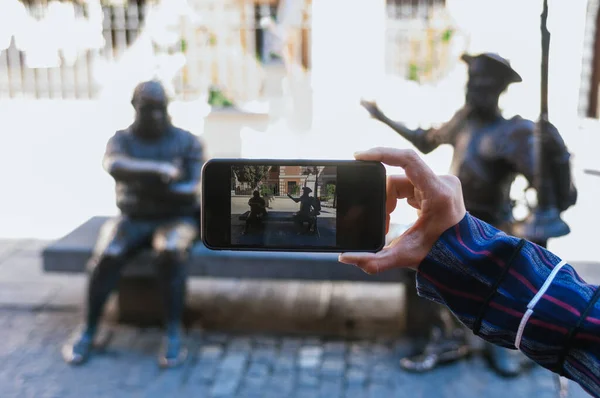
{"x": 479, "y": 273}
{"x": 184, "y": 190}
{"x": 416, "y": 137}
{"x": 128, "y": 169}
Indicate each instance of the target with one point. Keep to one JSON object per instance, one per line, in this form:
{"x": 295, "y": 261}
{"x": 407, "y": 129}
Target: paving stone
{"x": 333, "y": 367}
{"x": 309, "y": 363}
{"x": 308, "y": 379}
{"x": 356, "y": 376}
{"x": 355, "y": 392}
{"x": 234, "y": 361}
{"x": 382, "y": 372}
{"x": 264, "y": 354}
{"x": 240, "y": 344}
{"x": 265, "y": 341}
{"x": 312, "y": 341}
{"x": 204, "y": 371}
{"x": 330, "y": 388}
{"x": 215, "y": 337}
{"x": 225, "y": 385}
{"x": 378, "y": 390}
{"x": 306, "y": 392}
{"x": 290, "y": 344}
{"x": 335, "y": 348}
{"x": 211, "y": 352}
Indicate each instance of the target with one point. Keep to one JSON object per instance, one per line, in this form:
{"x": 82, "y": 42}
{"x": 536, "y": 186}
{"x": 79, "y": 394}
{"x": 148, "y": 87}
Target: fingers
{"x": 397, "y": 187}
{"x": 403, "y": 253}
{"x": 417, "y": 171}
{"x": 371, "y": 263}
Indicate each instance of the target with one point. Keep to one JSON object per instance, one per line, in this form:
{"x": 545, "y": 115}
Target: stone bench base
{"x": 139, "y": 301}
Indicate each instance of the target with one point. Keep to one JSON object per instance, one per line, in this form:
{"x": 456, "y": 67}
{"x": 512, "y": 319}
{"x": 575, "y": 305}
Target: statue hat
{"x": 497, "y": 62}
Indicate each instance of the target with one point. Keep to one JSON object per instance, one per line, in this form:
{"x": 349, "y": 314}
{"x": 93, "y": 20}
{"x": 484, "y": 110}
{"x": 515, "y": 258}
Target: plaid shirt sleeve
{"x": 481, "y": 273}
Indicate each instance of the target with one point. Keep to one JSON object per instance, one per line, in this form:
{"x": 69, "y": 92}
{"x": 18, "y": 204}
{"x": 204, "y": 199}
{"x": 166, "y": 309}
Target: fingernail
{"x": 358, "y": 153}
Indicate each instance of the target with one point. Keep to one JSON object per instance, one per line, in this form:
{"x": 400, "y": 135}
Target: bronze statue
{"x": 258, "y": 210}
{"x": 310, "y": 208}
{"x": 156, "y": 167}
{"x": 489, "y": 152}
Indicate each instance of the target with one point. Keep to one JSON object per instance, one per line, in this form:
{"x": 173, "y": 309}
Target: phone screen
{"x": 293, "y": 205}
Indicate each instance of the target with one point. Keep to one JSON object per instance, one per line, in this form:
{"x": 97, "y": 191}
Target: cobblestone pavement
{"x": 233, "y": 365}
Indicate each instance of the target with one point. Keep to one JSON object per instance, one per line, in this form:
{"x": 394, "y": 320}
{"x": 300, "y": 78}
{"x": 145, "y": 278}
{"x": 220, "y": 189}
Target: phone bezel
{"x": 379, "y": 174}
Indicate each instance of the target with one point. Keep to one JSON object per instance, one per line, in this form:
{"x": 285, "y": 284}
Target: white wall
{"x": 512, "y": 29}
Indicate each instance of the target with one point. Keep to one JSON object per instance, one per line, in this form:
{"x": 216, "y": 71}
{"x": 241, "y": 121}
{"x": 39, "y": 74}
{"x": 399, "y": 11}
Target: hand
{"x": 169, "y": 172}
{"x": 554, "y": 145}
{"x": 372, "y": 108}
{"x": 438, "y": 200}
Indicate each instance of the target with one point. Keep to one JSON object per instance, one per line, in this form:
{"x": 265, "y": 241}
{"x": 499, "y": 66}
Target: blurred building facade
{"x": 243, "y": 51}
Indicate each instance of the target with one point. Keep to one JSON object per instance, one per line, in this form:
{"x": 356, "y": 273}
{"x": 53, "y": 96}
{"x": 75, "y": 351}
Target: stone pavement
{"x": 38, "y": 312}
{"x": 233, "y": 365}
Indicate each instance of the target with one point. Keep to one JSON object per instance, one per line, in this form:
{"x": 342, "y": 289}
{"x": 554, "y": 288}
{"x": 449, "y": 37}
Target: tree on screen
{"x": 251, "y": 174}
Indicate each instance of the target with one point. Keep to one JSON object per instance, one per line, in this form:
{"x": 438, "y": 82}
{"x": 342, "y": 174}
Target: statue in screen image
{"x": 489, "y": 152}
{"x": 156, "y": 167}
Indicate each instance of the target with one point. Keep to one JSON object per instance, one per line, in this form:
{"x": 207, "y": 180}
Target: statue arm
{"x": 192, "y": 170}
{"x": 424, "y": 140}
{"x": 519, "y": 151}
{"x": 292, "y": 198}
{"x": 123, "y": 167}
{"x": 560, "y": 165}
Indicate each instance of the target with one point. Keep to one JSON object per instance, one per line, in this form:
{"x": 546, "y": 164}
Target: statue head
{"x": 306, "y": 191}
{"x": 489, "y": 76}
{"x": 256, "y": 194}
{"x": 150, "y": 103}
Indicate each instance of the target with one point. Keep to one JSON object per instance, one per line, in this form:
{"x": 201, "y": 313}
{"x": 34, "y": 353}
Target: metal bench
{"x": 137, "y": 298}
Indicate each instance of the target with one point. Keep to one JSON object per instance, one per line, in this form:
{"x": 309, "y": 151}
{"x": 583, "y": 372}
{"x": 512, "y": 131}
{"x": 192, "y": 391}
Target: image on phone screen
{"x": 289, "y": 205}
{"x": 293, "y": 205}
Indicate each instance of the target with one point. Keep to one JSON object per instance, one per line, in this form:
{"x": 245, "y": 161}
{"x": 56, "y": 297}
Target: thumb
{"x": 406, "y": 251}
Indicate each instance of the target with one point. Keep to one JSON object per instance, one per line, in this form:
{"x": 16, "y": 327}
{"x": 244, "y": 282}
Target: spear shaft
{"x": 541, "y": 180}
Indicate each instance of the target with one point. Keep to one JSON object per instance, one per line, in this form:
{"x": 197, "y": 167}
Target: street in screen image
{"x": 283, "y": 206}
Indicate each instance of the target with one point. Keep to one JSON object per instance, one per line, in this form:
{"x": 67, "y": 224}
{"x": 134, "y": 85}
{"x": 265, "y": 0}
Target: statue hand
{"x": 372, "y": 108}
{"x": 554, "y": 145}
{"x": 169, "y": 172}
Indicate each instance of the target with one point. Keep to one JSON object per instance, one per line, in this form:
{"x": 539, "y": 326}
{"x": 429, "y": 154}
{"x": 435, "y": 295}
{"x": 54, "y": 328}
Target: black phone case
{"x": 286, "y": 162}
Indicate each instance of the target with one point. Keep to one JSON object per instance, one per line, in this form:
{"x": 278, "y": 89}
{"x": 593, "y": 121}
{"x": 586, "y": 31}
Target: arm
{"x": 467, "y": 263}
{"x": 292, "y": 198}
{"x": 424, "y": 140}
{"x": 192, "y": 167}
{"x": 122, "y": 167}
{"x": 518, "y": 149}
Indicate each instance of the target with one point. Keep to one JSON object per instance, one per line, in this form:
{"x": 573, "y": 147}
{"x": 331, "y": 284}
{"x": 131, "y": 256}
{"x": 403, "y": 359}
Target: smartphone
{"x": 293, "y": 205}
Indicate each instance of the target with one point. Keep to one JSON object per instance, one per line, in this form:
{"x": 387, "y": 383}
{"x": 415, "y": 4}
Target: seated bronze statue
{"x": 156, "y": 167}
{"x": 258, "y": 210}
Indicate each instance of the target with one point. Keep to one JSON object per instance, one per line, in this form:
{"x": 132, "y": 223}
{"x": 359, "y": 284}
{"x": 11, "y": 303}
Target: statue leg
{"x": 447, "y": 343}
{"x": 172, "y": 242}
{"x": 118, "y": 241}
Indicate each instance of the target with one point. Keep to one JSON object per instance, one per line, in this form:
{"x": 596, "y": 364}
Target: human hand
{"x": 372, "y": 108}
{"x": 438, "y": 200}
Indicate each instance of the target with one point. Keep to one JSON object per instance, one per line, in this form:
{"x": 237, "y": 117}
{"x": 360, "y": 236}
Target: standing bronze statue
{"x": 489, "y": 152}
{"x": 157, "y": 168}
